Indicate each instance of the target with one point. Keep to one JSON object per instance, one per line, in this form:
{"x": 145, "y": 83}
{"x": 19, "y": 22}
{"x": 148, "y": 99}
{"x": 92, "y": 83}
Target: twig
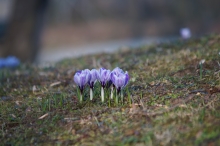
{"x": 45, "y": 115}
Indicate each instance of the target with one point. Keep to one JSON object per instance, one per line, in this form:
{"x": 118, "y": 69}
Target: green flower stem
{"x": 116, "y": 98}
{"x": 80, "y": 98}
{"x": 122, "y": 96}
{"x": 200, "y": 70}
{"x": 109, "y": 102}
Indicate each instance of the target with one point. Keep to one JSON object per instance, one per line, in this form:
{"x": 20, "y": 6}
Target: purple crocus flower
{"x": 119, "y": 79}
{"x": 117, "y": 71}
{"x": 103, "y": 77}
{"x": 92, "y": 81}
{"x": 81, "y": 78}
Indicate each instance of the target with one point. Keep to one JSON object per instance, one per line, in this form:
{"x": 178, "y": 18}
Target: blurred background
{"x": 49, "y": 30}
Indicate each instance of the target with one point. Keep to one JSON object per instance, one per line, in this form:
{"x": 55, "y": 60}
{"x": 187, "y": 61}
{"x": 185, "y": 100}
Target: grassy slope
{"x": 175, "y": 101}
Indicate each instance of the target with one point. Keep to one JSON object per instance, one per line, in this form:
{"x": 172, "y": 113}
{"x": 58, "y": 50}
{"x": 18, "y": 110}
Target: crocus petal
{"x": 104, "y": 76}
{"x": 77, "y": 77}
{"x": 121, "y": 80}
{"x": 82, "y": 80}
{"x": 94, "y": 76}
{"x": 113, "y": 78}
{"x": 88, "y": 75}
{"x": 117, "y": 70}
{"x": 117, "y": 80}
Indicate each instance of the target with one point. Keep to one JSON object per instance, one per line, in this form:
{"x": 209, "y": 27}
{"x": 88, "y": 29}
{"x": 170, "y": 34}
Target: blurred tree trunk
{"x": 22, "y": 37}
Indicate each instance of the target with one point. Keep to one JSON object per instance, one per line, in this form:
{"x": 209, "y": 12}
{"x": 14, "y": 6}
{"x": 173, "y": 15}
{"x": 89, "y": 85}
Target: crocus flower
{"x": 118, "y": 76}
{"x": 103, "y": 77}
{"x": 81, "y": 78}
{"x": 117, "y": 70}
{"x": 119, "y": 79}
{"x": 92, "y": 81}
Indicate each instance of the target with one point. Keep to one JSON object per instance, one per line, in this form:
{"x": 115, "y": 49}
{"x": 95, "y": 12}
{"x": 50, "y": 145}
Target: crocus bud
{"x": 93, "y": 79}
{"x": 81, "y": 78}
{"x": 104, "y": 76}
{"x": 119, "y": 78}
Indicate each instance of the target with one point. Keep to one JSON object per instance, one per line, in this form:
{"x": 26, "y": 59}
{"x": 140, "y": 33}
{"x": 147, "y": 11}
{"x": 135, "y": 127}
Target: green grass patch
{"x": 171, "y": 99}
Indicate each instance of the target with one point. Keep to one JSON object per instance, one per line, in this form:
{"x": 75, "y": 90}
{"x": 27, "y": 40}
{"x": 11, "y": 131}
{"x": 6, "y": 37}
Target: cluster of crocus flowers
{"x": 114, "y": 79}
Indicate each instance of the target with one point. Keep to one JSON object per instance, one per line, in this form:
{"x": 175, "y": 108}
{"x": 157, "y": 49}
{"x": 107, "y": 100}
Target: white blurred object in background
{"x": 185, "y": 33}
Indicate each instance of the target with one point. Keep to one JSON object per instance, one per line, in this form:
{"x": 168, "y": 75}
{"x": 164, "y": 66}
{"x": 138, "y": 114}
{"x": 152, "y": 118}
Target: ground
{"x": 172, "y": 99}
